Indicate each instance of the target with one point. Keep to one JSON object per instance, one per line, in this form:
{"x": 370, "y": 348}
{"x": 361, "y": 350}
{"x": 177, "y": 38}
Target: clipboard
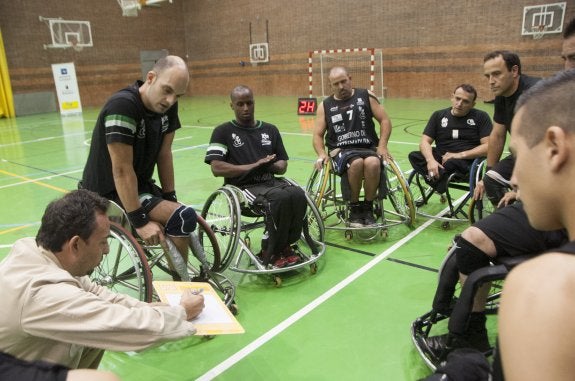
{"x": 215, "y": 319}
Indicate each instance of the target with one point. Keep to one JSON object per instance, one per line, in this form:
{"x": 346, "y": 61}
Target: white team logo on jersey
{"x": 266, "y": 139}
{"x": 360, "y": 102}
{"x": 471, "y": 122}
{"x": 237, "y": 141}
{"x": 444, "y": 122}
{"x": 165, "y": 123}
{"x": 336, "y": 118}
{"x": 142, "y": 130}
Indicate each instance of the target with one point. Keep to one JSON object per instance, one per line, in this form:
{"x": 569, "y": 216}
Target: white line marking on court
{"x": 40, "y": 179}
{"x": 235, "y": 358}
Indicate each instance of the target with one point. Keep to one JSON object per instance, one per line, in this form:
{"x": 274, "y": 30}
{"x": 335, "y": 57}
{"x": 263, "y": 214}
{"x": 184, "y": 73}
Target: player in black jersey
{"x": 248, "y": 153}
{"x": 345, "y": 121}
{"x": 502, "y": 69}
{"x": 460, "y": 133}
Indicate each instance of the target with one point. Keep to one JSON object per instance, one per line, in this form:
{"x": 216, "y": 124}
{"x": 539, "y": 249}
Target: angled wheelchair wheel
{"x": 125, "y": 268}
{"x": 222, "y": 215}
{"x": 479, "y": 209}
{"x": 399, "y": 193}
{"x": 318, "y": 183}
{"x": 209, "y": 246}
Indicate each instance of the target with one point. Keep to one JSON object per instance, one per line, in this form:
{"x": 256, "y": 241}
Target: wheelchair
{"x": 465, "y": 209}
{"x": 393, "y": 205}
{"x": 236, "y": 226}
{"x": 454, "y": 303}
{"x": 129, "y": 266}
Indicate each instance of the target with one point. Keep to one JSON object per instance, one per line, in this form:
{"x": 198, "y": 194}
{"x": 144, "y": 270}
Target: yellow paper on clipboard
{"x": 215, "y": 319}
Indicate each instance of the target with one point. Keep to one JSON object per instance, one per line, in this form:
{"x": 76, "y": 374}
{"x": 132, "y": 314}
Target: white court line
{"x": 235, "y": 358}
{"x": 50, "y": 177}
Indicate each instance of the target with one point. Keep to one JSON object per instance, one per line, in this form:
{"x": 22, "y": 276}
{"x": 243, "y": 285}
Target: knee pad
{"x": 182, "y": 222}
{"x": 469, "y": 257}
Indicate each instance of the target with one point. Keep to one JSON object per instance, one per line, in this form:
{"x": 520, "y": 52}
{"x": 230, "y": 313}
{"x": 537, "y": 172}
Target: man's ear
{"x": 151, "y": 76}
{"x": 557, "y": 147}
{"x": 74, "y": 243}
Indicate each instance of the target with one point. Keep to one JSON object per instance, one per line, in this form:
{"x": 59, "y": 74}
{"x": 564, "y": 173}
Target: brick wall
{"x": 427, "y": 49}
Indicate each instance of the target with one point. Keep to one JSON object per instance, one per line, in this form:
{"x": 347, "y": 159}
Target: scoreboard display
{"x": 306, "y": 106}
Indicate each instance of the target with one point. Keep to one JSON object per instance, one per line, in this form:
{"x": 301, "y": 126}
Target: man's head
{"x": 340, "y": 82}
{"x": 463, "y": 99}
{"x": 502, "y": 69}
{"x": 165, "y": 83}
{"x": 568, "y": 52}
{"x": 76, "y": 229}
{"x": 243, "y": 104}
{"x": 543, "y": 143}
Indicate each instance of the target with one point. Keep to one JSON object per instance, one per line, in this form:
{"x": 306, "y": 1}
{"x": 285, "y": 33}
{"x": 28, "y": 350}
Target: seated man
{"x": 461, "y": 134}
{"x": 133, "y": 136}
{"x": 57, "y": 314}
{"x": 248, "y": 153}
{"x": 345, "y": 120}
{"x": 506, "y": 232}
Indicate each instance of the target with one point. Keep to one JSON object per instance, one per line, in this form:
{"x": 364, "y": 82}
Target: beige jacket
{"x": 50, "y": 315}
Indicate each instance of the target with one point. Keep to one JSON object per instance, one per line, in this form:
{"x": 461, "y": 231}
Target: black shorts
{"x": 149, "y": 193}
{"x": 12, "y": 368}
{"x": 341, "y": 158}
{"x": 512, "y": 235}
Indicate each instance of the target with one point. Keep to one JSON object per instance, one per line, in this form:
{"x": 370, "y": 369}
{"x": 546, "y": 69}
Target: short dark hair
{"x": 511, "y": 59}
{"x": 74, "y": 214}
{"x": 547, "y": 103}
{"x": 468, "y": 89}
{"x": 569, "y": 29}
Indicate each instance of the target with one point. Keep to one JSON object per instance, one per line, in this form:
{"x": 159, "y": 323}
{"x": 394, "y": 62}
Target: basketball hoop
{"x": 539, "y": 31}
{"x": 73, "y": 43}
{"x": 130, "y": 8}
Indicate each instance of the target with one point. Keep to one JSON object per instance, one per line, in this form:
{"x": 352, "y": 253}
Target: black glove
{"x": 170, "y": 196}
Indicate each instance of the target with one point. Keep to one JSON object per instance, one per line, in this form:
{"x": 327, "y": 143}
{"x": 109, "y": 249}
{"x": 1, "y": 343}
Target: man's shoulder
{"x": 528, "y": 81}
{"x": 128, "y": 97}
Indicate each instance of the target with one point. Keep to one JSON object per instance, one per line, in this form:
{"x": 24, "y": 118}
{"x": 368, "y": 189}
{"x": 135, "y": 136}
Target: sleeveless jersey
{"x": 350, "y": 122}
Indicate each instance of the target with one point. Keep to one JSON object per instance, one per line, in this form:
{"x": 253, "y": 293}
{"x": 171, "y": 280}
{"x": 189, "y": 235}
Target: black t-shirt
{"x": 125, "y": 119}
{"x": 505, "y": 106}
{"x": 239, "y": 145}
{"x": 457, "y": 133}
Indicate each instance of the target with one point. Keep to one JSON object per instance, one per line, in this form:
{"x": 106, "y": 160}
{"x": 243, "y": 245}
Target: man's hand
{"x": 433, "y": 170}
{"x": 152, "y": 233}
{"x": 507, "y": 199}
{"x": 384, "y": 154}
{"x": 321, "y": 160}
{"x": 478, "y": 190}
{"x": 266, "y": 160}
{"x": 192, "y": 303}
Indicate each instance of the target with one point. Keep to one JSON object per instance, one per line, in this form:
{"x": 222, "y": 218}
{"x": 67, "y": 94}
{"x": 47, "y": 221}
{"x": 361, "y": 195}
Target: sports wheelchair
{"x": 454, "y": 303}
{"x": 465, "y": 209}
{"x": 236, "y": 225}
{"x": 330, "y": 194}
{"x": 129, "y": 266}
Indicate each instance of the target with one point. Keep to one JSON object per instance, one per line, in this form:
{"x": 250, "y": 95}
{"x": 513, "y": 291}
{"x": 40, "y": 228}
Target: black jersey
{"x": 124, "y": 119}
{"x": 457, "y": 133}
{"x": 350, "y": 122}
{"x": 505, "y": 106}
{"x": 240, "y": 145}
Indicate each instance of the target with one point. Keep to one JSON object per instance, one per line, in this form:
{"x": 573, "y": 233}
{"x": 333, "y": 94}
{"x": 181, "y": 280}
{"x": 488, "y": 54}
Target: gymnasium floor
{"x": 350, "y": 321}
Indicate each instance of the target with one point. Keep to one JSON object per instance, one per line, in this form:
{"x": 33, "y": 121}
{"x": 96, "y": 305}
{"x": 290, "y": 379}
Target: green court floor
{"x": 349, "y": 321}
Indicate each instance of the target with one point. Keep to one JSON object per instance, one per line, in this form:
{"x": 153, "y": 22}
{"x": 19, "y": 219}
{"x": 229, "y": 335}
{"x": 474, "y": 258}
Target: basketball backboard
{"x": 539, "y": 20}
{"x": 68, "y": 33}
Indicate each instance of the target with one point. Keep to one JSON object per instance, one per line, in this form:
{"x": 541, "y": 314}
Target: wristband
{"x": 170, "y": 196}
{"x": 138, "y": 217}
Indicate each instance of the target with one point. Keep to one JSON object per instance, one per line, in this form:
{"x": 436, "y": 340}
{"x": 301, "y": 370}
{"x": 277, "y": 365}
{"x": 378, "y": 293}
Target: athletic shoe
{"x": 356, "y": 217}
{"x": 291, "y": 255}
{"x": 368, "y": 218}
{"x": 281, "y": 262}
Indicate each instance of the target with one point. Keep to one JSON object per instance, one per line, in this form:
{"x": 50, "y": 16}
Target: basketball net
{"x": 539, "y": 31}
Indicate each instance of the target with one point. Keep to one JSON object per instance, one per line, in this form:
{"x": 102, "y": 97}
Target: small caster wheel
{"x": 278, "y": 280}
{"x": 313, "y": 268}
{"x": 234, "y": 309}
{"x": 445, "y": 225}
{"x": 384, "y": 233}
{"x": 442, "y": 199}
{"x": 348, "y": 235}
{"x": 248, "y": 242}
